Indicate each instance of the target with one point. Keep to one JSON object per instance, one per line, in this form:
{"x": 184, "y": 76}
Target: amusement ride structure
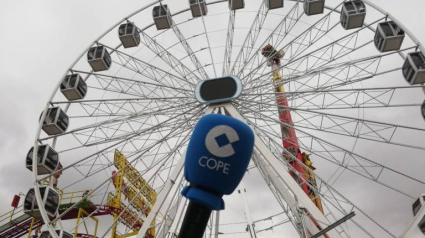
{"x": 334, "y": 84}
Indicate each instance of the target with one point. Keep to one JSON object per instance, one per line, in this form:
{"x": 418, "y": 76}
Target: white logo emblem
{"x": 225, "y": 134}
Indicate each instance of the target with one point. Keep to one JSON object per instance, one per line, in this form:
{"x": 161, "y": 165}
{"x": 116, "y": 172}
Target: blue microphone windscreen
{"x": 217, "y": 157}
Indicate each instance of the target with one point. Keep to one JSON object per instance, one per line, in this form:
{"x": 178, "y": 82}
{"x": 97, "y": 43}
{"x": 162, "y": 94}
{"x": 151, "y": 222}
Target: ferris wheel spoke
{"x": 298, "y": 45}
{"x": 169, "y": 58}
{"x": 370, "y": 66}
{"x": 121, "y": 100}
{"x": 368, "y": 168}
{"x": 379, "y": 98}
{"x": 229, "y": 42}
{"x": 149, "y": 71}
{"x": 324, "y": 55}
{"x": 121, "y": 107}
{"x": 147, "y": 150}
{"x": 382, "y": 95}
{"x": 131, "y": 86}
{"x": 173, "y": 132}
{"x": 275, "y": 37}
{"x": 348, "y": 126}
{"x": 249, "y": 42}
{"x": 336, "y": 98}
{"x": 208, "y": 42}
{"x": 88, "y": 131}
{"x": 332, "y": 77}
{"x": 91, "y": 140}
{"x": 200, "y": 68}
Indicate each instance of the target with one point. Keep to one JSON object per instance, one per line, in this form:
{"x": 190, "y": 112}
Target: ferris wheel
{"x": 332, "y": 89}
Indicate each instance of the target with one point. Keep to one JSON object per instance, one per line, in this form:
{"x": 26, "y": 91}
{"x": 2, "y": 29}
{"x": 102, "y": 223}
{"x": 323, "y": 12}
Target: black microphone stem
{"x": 195, "y": 221}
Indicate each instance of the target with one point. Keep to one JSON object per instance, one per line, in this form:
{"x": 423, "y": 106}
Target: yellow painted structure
{"x": 130, "y": 186}
{"x": 312, "y": 179}
{"x": 83, "y": 213}
{"x": 277, "y": 78}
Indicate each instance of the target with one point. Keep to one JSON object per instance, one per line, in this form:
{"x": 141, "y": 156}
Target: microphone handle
{"x": 195, "y": 221}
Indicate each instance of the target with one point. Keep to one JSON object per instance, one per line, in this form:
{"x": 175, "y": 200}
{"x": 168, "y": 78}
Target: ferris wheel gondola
{"x": 314, "y": 7}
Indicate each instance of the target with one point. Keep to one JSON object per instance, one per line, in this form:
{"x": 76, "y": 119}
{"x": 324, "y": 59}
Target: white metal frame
{"x": 413, "y": 227}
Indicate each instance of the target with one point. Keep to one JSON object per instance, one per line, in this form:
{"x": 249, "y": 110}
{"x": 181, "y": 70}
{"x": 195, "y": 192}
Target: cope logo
{"x": 219, "y": 143}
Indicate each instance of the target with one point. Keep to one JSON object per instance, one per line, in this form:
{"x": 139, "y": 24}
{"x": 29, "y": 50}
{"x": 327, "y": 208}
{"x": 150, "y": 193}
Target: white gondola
{"x": 162, "y": 17}
{"x": 423, "y": 110}
{"x": 416, "y": 207}
{"x": 414, "y": 68}
{"x": 314, "y": 7}
{"x": 50, "y": 199}
{"x": 55, "y": 122}
{"x": 60, "y": 233}
{"x": 388, "y": 36}
{"x": 47, "y": 159}
{"x": 274, "y": 4}
{"x": 129, "y": 35}
{"x": 73, "y": 87}
{"x": 236, "y": 4}
{"x": 99, "y": 58}
{"x": 353, "y": 14}
{"x": 198, "y": 8}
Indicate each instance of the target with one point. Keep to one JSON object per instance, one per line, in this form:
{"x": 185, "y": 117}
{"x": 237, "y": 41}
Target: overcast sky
{"x": 40, "y": 39}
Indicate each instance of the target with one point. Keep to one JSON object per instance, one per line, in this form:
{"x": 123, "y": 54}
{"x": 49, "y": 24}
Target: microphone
{"x": 217, "y": 157}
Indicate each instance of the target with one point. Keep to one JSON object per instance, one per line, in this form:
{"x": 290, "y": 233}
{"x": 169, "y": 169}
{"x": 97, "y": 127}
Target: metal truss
{"x": 291, "y": 63}
{"x": 169, "y": 58}
{"x": 339, "y": 98}
{"x": 148, "y": 71}
{"x": 347, "y": 126}
{"x": 133, "y": 87}
{"x": 122, "y": 128}
{"x": 229, "y": 43}
{"x": 249, "y": 42}
{"x": 199, "y": 67}
{"x": 276, "y": 37}
{"x": 342, "y": 157}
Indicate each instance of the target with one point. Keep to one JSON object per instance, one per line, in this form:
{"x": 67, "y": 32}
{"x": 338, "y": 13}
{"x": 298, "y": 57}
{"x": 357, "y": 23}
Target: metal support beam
{"x": 242, "y": 192}
{"x": 229, "y": 43}
{"x": 169, "y": 218}
{"x": 217, "y": 224}
{"x": 189, "y": 51}
{"x": 339, "y": 222}
{"x": 413, "y": 227}
{"x": 251, "y": 38}
{"x": 162, "y": 197}
{"x": 288, "y": 187}
{"x": 169, "y": 58}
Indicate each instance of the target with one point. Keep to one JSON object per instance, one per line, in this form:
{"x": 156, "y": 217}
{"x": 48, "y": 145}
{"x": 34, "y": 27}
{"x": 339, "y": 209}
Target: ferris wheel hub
{"x": 218, "y": 90}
